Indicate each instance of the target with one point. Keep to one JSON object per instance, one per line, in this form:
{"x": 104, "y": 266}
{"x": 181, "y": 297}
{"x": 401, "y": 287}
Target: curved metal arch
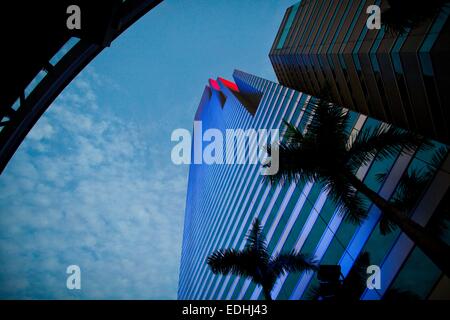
{"x": 21, "y": 120}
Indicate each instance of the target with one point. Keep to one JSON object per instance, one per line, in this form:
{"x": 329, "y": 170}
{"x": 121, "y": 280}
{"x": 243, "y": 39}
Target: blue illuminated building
{"x": 222, "y": 201}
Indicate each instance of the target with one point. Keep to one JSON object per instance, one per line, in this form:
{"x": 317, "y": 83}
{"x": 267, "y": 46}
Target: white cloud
{"x": 91, "y": 194}
{"x": 43, "y": 130}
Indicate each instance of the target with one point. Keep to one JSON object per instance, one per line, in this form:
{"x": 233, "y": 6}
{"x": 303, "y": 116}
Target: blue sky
{"x": 93, "y": 183}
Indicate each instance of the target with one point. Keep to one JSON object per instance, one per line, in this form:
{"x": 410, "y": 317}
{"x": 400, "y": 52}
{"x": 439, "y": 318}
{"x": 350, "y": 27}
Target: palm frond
{"x": 329, "y": 124}
{"x": 292, "y": 262}
{"x": 256, "y": 241}
{"x": 408, "y": 192}
{"x": 325, "y": 93}
{"x": 230, "y": 261}
{"x": 386, "y": 225}
{"x": 395, "y": 22}
{"x": 292, "y": 134}
{"x": 306, "y": 157}
{"x": 297, "y": 163}
{"x": 439, "y": 156}
{"x": 254, "y": 261}
{"x": 403, "y": 15}
{"x": 409, "y": 189}
{"x": 435, "y": 163}
{"x": 349, "y": 203}
{"x": 381, "y": 177}
{"x": 383, "y": 142}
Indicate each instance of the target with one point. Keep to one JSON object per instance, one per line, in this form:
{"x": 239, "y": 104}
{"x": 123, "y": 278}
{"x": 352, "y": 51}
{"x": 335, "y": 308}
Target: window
{"x": 288, "y": 25}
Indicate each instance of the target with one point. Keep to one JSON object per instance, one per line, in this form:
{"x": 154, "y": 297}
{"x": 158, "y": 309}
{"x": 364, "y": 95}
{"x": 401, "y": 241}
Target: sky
{"x": 93, "y": 184}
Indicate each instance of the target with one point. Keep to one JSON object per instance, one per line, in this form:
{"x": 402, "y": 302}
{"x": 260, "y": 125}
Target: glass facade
{"x": 397, "y": 78}
{"x": 288, "y": 25}
{"x": 223, "y": 200}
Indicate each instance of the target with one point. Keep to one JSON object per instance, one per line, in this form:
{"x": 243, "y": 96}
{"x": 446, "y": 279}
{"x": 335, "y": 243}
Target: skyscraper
{"x": 401, "y": 79}
{"x": 223, "y": 199}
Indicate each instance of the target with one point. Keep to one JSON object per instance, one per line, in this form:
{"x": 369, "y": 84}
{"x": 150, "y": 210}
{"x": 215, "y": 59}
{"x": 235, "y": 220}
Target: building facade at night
{"x": 397, "y": 78}
{"x": 223, "y": 200}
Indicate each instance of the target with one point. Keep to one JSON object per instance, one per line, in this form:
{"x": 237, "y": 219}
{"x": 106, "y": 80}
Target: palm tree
{"x": 254, "y": 261}
{"x": 403, "y": 15}
{"x": 324, "y": 154}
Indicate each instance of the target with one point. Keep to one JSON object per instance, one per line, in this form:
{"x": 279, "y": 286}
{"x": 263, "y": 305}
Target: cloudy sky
{"x": 93, "y": 184}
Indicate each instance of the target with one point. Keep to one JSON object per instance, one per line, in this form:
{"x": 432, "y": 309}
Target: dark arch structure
{"x": 41, "y": 56}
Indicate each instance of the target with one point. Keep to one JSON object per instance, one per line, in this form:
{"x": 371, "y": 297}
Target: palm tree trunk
{"x": 436, "y": 249}
{"x": 267, "y": 294}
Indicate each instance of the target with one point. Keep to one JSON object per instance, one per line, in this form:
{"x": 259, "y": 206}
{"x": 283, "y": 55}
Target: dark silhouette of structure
{"x": 40, "y": 55}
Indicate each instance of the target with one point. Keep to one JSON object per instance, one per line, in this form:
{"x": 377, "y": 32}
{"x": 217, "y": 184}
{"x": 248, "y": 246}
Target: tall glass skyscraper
{"x": 222, "y": 201}
{"x": 401, "y": 79}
